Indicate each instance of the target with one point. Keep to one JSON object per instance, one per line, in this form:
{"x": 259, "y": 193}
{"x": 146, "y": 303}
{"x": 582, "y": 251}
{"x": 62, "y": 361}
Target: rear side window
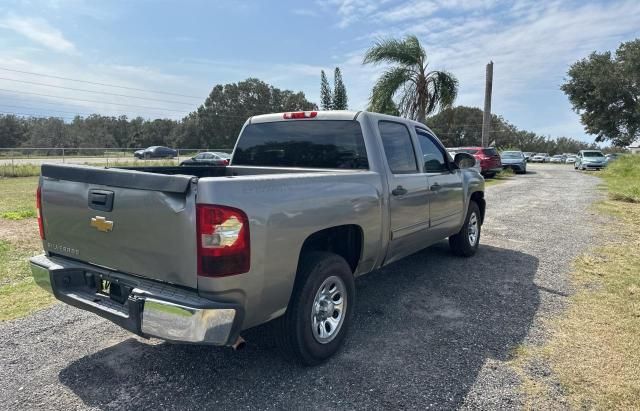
{"x": 309, "y": 144}
{"x": 490, "y": 152}
{"x": 398, "y": 147}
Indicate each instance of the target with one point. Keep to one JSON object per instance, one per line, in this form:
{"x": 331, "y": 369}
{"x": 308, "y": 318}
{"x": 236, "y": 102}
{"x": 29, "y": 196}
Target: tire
{"x": 294, "y": 331}
{"x": 462, "y": 243}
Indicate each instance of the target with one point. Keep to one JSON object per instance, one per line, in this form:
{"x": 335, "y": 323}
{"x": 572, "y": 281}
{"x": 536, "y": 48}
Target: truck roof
{"x": 320, "y": 115}
{"x": 330, "y": 115}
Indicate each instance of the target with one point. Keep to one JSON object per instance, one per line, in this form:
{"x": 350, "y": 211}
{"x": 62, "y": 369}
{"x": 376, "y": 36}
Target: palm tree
{"x": 421, "y": 92}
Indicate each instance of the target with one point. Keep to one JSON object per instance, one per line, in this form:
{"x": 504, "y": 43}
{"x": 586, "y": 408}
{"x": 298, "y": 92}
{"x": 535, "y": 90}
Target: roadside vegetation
{"x": 593, "y": 350}
{"x": 30, "y": 170}
{"x": 501, "y": 177}
{"x": 623, "y": 179}
{"x": 19, "y": 240}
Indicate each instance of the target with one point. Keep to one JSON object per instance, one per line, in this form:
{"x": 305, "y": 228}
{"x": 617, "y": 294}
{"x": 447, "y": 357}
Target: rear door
{"x": 409, "y": 196}
{"x": 128, "y": 221}
{"x": 446, "y": 206}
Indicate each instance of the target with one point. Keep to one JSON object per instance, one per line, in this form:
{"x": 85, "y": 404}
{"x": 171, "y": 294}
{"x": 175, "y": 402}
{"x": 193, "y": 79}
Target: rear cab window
{"x": 307, "y": 144}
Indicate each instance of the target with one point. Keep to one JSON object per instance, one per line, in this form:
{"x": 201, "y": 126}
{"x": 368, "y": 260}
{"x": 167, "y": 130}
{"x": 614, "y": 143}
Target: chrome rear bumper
{"x": 146, "y": 308}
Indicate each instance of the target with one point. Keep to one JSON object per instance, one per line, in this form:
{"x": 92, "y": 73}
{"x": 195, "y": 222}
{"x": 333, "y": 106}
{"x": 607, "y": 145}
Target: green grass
{"x": 19, "y": 170}
{"x": 18, "y": 215}
{"x": 18, "y": 196}
{"x": 593, "y": 351}
{"x": 623, "y": 178}
{"x": 19, "y": 295}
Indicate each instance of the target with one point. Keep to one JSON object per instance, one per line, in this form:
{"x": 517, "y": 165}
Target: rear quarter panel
{"x": 283, "y": 211}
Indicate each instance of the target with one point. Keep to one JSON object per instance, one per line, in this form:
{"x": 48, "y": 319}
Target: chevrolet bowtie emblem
{"x": 101, "y": 223}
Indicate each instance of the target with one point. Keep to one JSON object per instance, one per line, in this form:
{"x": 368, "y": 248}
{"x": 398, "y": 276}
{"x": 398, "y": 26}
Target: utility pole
{"x": 486, "y": 118}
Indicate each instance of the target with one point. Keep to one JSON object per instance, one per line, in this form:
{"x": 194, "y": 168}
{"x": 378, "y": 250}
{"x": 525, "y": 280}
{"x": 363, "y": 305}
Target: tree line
{"x": 462, "y": 126}
{"x": 214, "y": 124}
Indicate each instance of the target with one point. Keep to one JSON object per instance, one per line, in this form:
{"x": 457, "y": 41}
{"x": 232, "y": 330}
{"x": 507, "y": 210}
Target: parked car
{"x": 211, "y": 158}
{"x": 528, "y": 155}
{"x": 488, "y": 157}
{"x": 571, "y": 159}
{"x": 590, "y": 160}
{"x": 558, "y": 158}
{"x": 541, "y": 158}
{"x": 514, "y": 160}
{"x": 156, "y": 152}
{"x": 311, "y": 201}
{"x": 452, "y": 152}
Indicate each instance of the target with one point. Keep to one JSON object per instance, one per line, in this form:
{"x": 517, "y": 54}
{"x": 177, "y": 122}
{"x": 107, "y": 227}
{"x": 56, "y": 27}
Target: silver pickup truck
{"x": 310, "y": 201}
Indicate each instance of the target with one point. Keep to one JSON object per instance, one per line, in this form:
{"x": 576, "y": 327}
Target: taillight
{"x": 223, "y": 240}
{"x": 300, "y": 114}
{"x": 226, "y": 161}
{"x": 39, "y": 211}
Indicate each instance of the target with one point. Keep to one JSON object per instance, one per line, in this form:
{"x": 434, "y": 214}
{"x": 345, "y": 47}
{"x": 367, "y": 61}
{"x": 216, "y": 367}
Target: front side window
{"x": 434, "y": 161}
{"x": 398, "y": 147}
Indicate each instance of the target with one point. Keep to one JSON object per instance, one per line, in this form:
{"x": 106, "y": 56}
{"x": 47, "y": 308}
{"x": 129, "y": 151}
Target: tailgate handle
{"x": 101, "y": 200}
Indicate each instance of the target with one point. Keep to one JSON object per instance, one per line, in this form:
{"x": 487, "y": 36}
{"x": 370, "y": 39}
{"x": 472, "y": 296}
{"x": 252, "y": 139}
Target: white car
{"x": 571, "y": 159}
{"x": 558, "y": 158}
{"x": 541, "y": 158}
{"x": 453, "y": 153}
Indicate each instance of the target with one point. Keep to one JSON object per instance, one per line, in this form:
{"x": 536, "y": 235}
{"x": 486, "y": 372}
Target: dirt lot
{"x": 431, "y": 331}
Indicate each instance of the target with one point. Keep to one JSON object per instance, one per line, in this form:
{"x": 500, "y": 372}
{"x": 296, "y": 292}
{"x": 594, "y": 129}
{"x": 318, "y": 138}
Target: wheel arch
{"x": 344, "y": 240}
{"x": 478, "y": 198}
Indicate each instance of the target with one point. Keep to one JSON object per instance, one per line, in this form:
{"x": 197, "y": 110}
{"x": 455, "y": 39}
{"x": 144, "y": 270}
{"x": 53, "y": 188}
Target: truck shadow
{"x": 423, "y": 330}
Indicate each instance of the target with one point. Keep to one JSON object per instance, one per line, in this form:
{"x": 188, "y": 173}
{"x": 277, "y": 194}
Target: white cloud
{"x": 39, "y": 31}
{"x": 532, "y": 44}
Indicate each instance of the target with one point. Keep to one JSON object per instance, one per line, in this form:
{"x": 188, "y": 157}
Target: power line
{"x": 48, "y": 109}
{"x": 96, "y": 91}
{"x": 101, "y": 84}
{"x": 72, "y": 106}
{"x": 34, "y": 115}
{"x": 91, "y": 101}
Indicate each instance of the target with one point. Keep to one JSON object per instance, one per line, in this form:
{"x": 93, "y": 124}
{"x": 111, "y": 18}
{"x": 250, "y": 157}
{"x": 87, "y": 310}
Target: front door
{"x": 409, "y": 194}
{"x": 446, "y": 207}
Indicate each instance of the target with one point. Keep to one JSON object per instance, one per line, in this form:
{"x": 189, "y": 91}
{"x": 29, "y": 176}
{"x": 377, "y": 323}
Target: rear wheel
{"x": 465, "y": 242}
{"x": 316, "y": 322}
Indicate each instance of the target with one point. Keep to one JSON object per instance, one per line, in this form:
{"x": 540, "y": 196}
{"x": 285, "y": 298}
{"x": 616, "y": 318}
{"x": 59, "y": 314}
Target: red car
{"x": 489, "y": 159}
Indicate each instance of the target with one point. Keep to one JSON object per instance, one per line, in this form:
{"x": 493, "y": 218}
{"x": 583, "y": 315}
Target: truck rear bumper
{"x": 146, "y": 308}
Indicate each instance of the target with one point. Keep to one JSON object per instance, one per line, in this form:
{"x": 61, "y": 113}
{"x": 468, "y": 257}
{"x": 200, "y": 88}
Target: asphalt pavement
{"x": 430, "y": 331}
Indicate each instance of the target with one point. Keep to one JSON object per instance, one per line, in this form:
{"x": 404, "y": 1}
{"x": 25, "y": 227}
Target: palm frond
{"x": 407, "y": 52}
{"x": 442, "y": 89}
{"x": 387, "y": 86}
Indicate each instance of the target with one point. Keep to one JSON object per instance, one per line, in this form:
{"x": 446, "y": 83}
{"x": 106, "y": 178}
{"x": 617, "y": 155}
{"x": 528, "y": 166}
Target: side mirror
{"x": 464, "y": 160}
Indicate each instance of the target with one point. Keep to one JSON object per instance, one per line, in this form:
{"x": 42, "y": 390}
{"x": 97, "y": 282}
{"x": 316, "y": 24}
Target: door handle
{"x": 435, "y": 187}
{"x": 399, "y": 191}
{"x": 100, "y": 200}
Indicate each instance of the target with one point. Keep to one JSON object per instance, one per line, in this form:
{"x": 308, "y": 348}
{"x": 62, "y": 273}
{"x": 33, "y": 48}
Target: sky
{"x": 165, "y": 56}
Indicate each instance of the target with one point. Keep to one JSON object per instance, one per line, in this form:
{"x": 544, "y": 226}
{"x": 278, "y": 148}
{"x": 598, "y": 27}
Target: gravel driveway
{"x": 431, "y": 330}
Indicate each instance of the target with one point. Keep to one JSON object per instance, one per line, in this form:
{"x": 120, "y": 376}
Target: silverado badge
{"x": 101, "y": 223}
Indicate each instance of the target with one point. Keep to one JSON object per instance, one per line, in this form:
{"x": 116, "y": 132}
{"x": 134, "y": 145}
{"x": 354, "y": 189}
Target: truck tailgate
{"x": 129, "y": 221}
